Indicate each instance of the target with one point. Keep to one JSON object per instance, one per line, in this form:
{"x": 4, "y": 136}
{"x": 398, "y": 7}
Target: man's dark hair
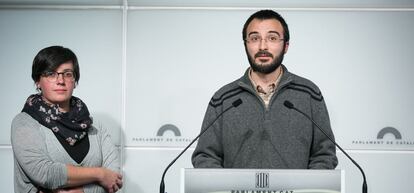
{"x": 267, "y": 14}
{"x": 50, "y": 58}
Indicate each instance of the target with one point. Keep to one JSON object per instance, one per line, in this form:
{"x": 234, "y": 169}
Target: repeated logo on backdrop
{"x": 166, "y": 135}
{"x": 169, "y": 127}
{"x": 387, "y": 137}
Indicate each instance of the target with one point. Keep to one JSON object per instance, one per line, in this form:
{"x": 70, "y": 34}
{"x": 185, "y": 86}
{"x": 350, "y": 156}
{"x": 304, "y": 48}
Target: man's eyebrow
{"x": 253, "y": 32}
{"x": 274, "y": 32}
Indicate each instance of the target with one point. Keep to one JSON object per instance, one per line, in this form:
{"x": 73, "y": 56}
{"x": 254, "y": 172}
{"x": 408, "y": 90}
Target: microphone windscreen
{"x": 237, "y": 102}
{"x": 288, "y": 104}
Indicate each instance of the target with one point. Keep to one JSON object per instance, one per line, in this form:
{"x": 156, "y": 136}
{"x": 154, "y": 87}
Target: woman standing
{"x": 56, "y": 147}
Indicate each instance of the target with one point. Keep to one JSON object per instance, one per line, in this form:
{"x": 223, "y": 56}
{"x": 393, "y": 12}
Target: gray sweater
{"x": 253, "y": 136}
{"x": 40, "y": 159}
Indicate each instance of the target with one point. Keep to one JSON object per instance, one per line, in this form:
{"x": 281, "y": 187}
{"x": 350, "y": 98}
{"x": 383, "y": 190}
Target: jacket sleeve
{"x": 31, "y": 155}
{"x": 323, "y": 153}
{"x": 110, "y": 158}
{"x": 209, "y": 151}
{"x": 110, "y": 153}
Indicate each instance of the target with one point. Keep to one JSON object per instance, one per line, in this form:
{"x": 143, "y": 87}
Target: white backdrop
{"x": 159, "y": 68}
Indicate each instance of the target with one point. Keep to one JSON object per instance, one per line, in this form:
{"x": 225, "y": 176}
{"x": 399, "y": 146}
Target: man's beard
{"x": 266, "y": 68}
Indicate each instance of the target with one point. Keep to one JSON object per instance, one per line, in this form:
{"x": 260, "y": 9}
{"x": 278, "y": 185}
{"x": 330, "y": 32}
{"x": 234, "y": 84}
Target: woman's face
{"x": 57, "y": 87}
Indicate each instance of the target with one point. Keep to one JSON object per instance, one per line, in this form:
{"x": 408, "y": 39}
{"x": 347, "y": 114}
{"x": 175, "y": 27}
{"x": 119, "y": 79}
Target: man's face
{"x": 265, "y": 47}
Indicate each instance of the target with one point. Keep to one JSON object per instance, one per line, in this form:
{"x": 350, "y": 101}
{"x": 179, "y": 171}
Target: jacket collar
{"x": 245, "y": 82}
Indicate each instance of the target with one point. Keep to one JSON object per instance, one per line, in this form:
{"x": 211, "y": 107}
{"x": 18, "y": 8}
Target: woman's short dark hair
{"x": 267, "y": 14}
{"x": 50, "y": 58}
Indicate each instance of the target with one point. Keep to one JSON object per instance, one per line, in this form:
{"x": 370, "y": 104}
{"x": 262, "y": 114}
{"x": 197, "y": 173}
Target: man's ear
{"x": 286, "y": 47}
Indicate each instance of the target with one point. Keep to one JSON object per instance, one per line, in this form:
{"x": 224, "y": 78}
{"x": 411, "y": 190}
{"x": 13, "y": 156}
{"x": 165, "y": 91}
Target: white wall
{"x": 145, "y": 67}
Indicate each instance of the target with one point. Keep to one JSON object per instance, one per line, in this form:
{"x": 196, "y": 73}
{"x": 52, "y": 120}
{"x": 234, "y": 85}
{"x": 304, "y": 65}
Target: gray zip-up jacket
{"x": 253, "y": 136}
{"x": 40, "y": 160}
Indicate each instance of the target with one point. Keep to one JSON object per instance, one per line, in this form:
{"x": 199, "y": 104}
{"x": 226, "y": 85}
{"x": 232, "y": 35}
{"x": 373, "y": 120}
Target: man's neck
{"x": 266, "y": 79}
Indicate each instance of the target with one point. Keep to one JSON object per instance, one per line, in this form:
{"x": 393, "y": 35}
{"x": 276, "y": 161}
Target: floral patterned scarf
{"x": 71, "y": 126}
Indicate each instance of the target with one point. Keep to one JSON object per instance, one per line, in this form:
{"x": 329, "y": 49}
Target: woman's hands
{"x": 111, "y": 181}
{"x": 70, "y": 190}
{"x": 67, "y": 190}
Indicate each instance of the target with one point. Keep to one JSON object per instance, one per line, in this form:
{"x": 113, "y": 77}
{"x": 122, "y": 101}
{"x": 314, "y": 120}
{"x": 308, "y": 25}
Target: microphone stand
{"x": 289, "y": 105}
{"x": 162, "y": 184}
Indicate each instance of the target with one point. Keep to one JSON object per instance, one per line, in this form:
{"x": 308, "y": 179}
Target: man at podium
{"x": 262, "y": 132}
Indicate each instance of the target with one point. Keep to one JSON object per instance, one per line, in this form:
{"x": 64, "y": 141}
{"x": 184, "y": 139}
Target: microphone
{"x": 289, "y": 105}
{"x": 234, "y": 104}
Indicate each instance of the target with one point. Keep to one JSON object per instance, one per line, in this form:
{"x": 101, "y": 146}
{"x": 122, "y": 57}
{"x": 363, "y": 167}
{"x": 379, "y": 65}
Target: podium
{"x": 261, "y": 181}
